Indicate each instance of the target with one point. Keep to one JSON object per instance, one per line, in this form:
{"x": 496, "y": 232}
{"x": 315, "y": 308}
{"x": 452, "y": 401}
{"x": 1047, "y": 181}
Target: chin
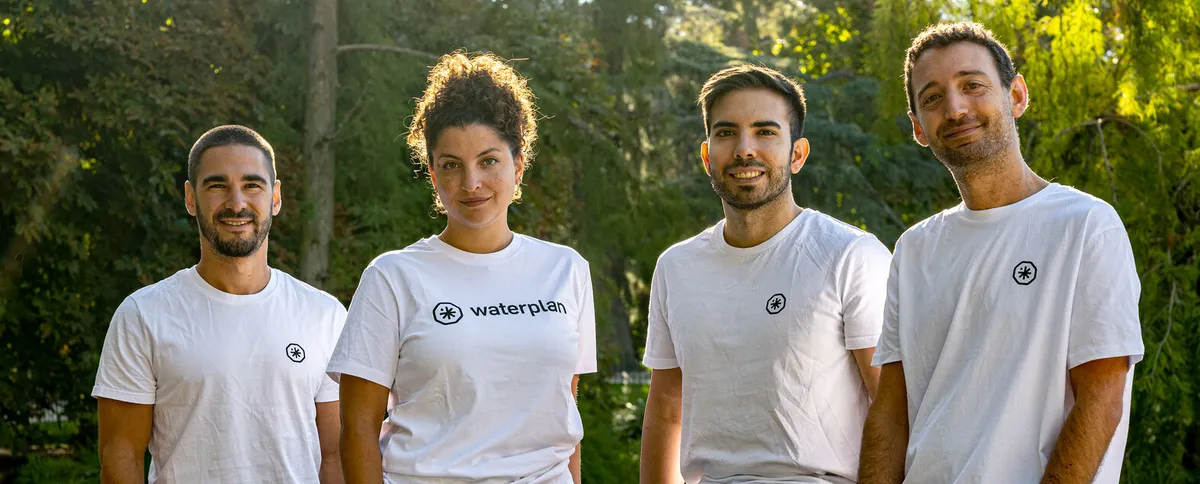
{"x": 476, "y": 221}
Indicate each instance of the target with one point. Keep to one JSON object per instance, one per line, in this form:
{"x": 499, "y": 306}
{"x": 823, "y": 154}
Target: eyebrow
{"x": 255, "y": 178}
{"x": 489, "y": 150}
{"x": 956, "y": 76}
{"x": 214, "y": 179}
{"x": 756, "y": 124}
{"x": 225, "y": 179}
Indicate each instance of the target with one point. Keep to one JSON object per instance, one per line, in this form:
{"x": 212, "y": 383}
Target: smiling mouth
{"x": 746, "y": 175}
{"x": 962, "y": 131}
{"x": 235, "y": 223}
{"x": 474, "y": 202}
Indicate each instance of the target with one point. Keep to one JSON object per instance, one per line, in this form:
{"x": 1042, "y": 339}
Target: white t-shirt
{"x": 234, "y": 379}
{"x": 771, "y": 391}
{"x": 479, "y": 351}
{"x": 988, "y": 310}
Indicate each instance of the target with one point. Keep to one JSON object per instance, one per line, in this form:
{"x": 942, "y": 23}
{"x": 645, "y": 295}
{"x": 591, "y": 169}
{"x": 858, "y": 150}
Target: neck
{"x": 490, "y": 238}
{"x": 748, "y": 228}
{"x": 1003, "y": 181}
{"x": 234, "y": 275}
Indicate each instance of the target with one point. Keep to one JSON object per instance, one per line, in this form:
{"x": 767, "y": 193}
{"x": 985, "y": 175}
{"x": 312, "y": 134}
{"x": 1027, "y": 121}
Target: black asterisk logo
{"x": 1024, "y": 273}
{"x": 447, "y": 313}
{"x": 776, "y": 303}
{"x": 295, "y": 352}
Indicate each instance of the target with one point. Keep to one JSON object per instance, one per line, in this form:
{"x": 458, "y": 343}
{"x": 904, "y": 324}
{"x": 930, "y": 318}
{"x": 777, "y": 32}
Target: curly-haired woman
{"x": 478, "y": 335}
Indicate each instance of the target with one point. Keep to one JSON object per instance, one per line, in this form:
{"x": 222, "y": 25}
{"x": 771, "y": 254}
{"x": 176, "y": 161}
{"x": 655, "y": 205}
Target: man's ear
{"x": 704, "y": 158}
{"x": 918, "y": 133}
{"x": 799, "y": 154}
{"x": 1020, "y": 96}
{"x": 189, "y": 198}
{"x": 276, "y": 198}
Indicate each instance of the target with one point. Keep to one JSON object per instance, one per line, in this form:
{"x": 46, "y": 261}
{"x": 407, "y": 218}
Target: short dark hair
{"x": 942, "y": 35}
{"x": 229, "y": 135}
{"x": 474, "y": 89}
{"x": 741, "y": 77}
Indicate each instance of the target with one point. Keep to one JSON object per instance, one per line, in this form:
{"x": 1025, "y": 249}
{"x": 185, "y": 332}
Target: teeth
{"x": 747, "y": 175}
{"x": 236, "y": 224}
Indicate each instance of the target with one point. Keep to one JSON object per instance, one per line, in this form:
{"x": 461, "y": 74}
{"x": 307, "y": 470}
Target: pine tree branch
{"x": 387, "y": 48}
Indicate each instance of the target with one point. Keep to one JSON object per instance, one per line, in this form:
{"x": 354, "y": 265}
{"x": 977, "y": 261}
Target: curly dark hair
{"x": 465, "y": 89}
{"x": 943, "y": 35}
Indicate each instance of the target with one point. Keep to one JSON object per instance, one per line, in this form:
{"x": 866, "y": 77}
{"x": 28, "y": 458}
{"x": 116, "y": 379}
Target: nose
{"x": 956, "y": 105}
{"x": 745, "y": 148}
{"x": 237, "y": 200}
{"x": 472, "y": 178}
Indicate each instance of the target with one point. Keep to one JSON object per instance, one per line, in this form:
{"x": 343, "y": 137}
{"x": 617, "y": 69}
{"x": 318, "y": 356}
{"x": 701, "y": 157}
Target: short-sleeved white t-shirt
{"x": 234, "y": 379}
{"x": 988, "y": 311}
{"x": 762, "y": 335}
{"x": 479, "y": 351}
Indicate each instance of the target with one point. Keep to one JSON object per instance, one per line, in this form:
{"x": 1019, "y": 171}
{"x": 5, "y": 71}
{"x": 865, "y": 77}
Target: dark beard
{"x": 998, "y": 135}
{"x": 777, "y": 184}
{"x": 235, "y": 247}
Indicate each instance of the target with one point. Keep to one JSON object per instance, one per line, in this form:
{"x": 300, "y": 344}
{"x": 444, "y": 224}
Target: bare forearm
{"x": 1082, "y": 443}
{"x": 885, "y": 439}
{"x": 360, "y": 458}
{"x": 331, "y": 469}
{"x": 885, "y": 433}
{"x": 576, "y": 464}
{"x": 660, "y": 452}
{"x": 121, "y": 466}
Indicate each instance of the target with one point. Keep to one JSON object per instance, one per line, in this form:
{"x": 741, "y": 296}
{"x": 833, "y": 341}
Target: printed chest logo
{"x": 1024, "y": 273}
{"x": 776, "y": 303}
{"x": 447, "y": 313}
{"x": 295, "y": 352}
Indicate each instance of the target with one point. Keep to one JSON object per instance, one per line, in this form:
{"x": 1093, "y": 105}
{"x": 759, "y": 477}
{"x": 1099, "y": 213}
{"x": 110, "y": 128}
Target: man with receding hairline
{"x": 1011, "y": 327}
{"x": 220, "y": 368}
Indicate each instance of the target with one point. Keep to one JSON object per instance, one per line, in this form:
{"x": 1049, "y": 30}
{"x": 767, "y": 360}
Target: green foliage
{"x": 102, "y": 101}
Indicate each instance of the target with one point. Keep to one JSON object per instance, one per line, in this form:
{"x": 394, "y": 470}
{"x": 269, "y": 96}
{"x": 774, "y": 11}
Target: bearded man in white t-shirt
{"x": 1011, "y": 327}
{"x": 220, "y": 368}
{"x": 761, "y": 328}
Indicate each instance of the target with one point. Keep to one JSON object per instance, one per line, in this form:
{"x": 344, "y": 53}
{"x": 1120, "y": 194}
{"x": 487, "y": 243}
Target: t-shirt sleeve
{"x": 369, "y": 347}
{"x": 586, "y": 326}
{"x": 328, "y": 391}
{"x": 126, "y": 371}
{"x": 1104, "y": 316}
{"x": 863, "y": 287}
{"x": 660, "y": 349}
{"x": 887, "y": 350}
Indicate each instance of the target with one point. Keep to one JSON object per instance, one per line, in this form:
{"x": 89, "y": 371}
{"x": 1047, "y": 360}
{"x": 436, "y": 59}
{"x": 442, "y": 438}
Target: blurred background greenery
{"x": 102, "y": 99}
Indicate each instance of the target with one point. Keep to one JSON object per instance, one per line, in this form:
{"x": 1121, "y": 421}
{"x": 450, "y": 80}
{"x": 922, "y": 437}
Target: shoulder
{"x": 394, "y": 261}
{"x": 688, "y": 248}
{"x": 171, "y": 287}
{"x": 1070, "y": 206}
{"x": 551, "y": 250}
{"x": 310, "y": 296}
{"x": 832, "y": 242}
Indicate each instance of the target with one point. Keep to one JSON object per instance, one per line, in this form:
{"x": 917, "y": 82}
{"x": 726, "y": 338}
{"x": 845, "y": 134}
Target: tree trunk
{"x": 750, "y": 22}
{"x": 320, "y": 109}
{"x": 618, "y": 314}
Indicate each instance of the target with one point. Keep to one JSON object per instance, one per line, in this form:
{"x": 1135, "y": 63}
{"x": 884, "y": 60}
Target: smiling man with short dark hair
{"x": 761, "y": 328}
